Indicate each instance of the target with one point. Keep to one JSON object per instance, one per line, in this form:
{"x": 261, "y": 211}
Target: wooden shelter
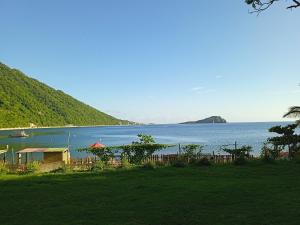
{"x": 97, "y": 145}
{"x": 3, "y": 152}
{"x": 50, "y": 155}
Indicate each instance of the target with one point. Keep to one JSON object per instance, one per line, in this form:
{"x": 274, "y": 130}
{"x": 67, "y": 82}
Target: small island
{"x": 212, "y": 119}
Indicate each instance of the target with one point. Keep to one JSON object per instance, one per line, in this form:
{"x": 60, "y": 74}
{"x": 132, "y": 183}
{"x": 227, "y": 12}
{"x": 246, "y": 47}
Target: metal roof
{"x": 31, "y": 150}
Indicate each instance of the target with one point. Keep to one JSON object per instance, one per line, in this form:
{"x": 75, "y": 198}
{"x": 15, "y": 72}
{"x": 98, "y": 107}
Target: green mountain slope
{"x": 24, "y": 100}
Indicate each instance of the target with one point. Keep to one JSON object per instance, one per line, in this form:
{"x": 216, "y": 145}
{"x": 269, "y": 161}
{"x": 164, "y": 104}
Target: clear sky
{"x": 160, "y": 61}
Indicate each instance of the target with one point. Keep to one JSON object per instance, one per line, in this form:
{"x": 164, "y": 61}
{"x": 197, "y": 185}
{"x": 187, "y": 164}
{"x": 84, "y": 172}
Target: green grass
{"x": 253, "y": 194}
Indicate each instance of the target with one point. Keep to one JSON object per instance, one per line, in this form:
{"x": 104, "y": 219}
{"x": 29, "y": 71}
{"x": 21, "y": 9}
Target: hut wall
{"x": 50, "y": 157}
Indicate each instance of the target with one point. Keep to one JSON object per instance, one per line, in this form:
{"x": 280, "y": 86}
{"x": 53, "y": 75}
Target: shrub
{"x": 161, "y": 163}
{"x": 64, "y": 169}
{"x": 98, "y": 166}
{"x": 297, "y": 157}
{"x": 269, "y": 154}
{"x": 33, "y": 167}
{"x": 3, "y": 169}
{"x": 180, "y": 163}
{"x": 203, "y": 162}
{"x": 149, "y": 165}
{"x": 240, "y": 161}
{"x": 190, "y": 152}
{"x": 267, "y": 159}
{"x": 125, "y": 163}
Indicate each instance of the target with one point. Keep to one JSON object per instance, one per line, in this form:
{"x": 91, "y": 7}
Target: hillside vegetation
{"x": 212, "y": 119}
{"x": 24, "y": 100}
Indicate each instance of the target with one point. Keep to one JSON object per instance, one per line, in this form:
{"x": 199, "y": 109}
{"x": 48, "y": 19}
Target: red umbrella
{"x": 97, "y": 145}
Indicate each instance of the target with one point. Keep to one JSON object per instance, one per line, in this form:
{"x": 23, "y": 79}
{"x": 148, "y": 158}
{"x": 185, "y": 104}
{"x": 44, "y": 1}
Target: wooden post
{"x": 26, "y": 158}
{"x": 12, "y": 156}
{"x": 19, "y": 158}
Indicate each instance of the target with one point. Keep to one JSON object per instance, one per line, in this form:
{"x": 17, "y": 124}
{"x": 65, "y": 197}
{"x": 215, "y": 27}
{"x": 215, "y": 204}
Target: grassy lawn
{"x": 252, "y": 194}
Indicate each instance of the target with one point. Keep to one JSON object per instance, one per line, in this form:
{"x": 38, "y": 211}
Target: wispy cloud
{"x": 195, "y": 89}
{"x": 203, "y": 90}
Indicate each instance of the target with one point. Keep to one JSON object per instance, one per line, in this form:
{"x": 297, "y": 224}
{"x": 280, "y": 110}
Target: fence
{"x": 166, "y": 155}
{"x": 218, "y": 159}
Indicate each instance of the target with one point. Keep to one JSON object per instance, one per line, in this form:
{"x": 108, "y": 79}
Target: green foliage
{"x": 287, "y": 139}
{"x": 125, "y": 164}
{"x": 98, "y": 166}
{"x": 104, "y": 153}
{"x": 3, "y": 168}
{"x": 270, "y": 153}
{"x": 33, "y": 167}
{"x": 179, "y": 163}
{"x": 24, "y": 100}
{"x": 192, "y": 151}
{"x": 144, "y": 139}
{"x": 141, "y": 150}
{"x": 150, "y": 165}
{"x": 202, "y": 162}
{"x": 161, "y": 164}
{"x": 242, "y": 152}
{"x": 297, "y": 157}
{"x": 136, "y": 153}
{"x": 240, "y": 161}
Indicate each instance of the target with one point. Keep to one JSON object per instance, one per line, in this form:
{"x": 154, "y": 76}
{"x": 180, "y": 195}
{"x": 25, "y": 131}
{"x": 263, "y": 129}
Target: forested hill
{"x": 24, "y": 100}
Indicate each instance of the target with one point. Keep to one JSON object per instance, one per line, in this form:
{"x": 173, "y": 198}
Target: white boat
{"x": 19, "y": 134}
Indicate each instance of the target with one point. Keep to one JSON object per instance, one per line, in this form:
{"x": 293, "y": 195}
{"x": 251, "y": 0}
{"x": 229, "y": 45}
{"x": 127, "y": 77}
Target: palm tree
{"x": 294, "y": 111}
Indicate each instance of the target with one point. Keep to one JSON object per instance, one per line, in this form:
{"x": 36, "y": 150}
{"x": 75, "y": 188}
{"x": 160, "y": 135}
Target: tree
{"x": 190, "y": 152}
{"x": 237, "y": 153}
{"x": 138, "y": 151}
{"x": 261, "y": 5}
{"x": 105, "y": 154}
{"x": 294, "y": 112}
{"x": 287, "y": 139}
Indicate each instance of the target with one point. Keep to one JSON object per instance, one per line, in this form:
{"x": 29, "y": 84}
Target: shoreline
{"x": 57, "y": 127}
{"x": 118, "y": 125}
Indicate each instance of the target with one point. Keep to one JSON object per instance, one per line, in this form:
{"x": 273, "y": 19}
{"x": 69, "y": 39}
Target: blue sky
{"x": 160, "y": 61}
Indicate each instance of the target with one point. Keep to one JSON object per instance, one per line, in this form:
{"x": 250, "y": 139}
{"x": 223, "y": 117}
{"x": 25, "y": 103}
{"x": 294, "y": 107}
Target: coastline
{"x": 57, "y": 127}
{"x": 122, "y": 125}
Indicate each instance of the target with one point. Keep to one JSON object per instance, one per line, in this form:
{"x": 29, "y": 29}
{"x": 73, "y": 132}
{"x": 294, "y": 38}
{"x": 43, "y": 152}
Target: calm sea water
{"x": 212, "y": 136}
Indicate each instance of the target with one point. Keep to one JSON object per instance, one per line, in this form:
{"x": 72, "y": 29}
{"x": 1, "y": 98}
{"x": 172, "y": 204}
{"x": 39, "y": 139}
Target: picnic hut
{"x": 50, "y": 155}
{"x": 97, "y": 145}
{"x": 3, "y": 154}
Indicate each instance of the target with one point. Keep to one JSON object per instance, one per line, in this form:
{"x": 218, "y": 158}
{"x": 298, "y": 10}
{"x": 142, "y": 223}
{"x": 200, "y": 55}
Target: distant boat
{"x": 19, "y": 134}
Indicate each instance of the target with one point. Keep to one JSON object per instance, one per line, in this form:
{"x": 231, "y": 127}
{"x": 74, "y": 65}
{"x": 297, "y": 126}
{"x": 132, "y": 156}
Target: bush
{"x": 240, "y": 161}
{"x": 149, "y": 165}
{"x": 98, "y": 166}
{"x": 190, "y": 152}
{"x": 139, "y": 151}
{"x": 180, "y": 163}
{"x": 297, "y": 157}
{"x": 161, "y": 163}
{"x": 3, "y": 169}
{"x": 269, "y": 154}
{"x": 203, "y": 162}
{"x": 125, "y": 163}
{"x": 267, "y": 159}
{"x": 33, "y": 167}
